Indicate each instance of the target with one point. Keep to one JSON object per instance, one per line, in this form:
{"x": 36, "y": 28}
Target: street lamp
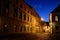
{"x": 42, "y": 19}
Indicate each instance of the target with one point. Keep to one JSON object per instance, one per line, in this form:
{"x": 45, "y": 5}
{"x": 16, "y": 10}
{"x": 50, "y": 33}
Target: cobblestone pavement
{"x": 43, "y": 36}
{"x": 37, "y": 36}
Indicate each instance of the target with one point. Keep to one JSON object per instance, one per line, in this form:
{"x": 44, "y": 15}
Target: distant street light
{"x": 42, "y": 19}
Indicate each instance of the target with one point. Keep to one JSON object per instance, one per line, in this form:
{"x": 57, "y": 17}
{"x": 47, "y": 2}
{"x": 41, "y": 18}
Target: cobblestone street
{"x": 43, "y": 36}
{"x": 38, "y": 36}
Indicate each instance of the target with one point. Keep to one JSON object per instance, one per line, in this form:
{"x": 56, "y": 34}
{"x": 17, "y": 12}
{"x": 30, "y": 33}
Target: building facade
{"x": 55, "y": 20}
{"x": 16, "y": 16}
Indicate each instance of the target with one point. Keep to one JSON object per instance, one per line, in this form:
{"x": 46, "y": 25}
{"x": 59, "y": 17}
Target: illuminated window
{"x": 56, "y": 18}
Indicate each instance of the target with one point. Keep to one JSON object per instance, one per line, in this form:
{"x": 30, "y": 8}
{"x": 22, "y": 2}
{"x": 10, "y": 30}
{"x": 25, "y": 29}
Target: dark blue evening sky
{"x": 43, "y": 7}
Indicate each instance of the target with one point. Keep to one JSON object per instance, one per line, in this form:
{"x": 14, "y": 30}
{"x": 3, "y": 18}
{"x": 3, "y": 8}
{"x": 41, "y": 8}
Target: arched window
{"x": 56, "y": 18}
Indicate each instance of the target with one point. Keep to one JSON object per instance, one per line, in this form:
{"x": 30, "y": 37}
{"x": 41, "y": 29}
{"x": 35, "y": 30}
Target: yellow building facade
{"x": 19, "y": 17}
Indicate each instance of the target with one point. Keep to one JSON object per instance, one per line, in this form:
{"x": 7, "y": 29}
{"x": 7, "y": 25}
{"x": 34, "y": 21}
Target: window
{"x": 31, "y": 29}
{"x": 24, "y": 16}
{"x": 24, "y": 28}
{"x": 56, "y": 18}
{"x": 28, "y": 11}
{"x": 20, "y": 29}
{"x": 5, "y": 28}
{"x": 20, "y": 16}
{"x": 7, "y": 12}
{"x": 28, "y": 29}
{"x": 56, "y": 27}
{"x": 15, "y": 28}
{"x": 15, "y": 12}
{"x": 21, "y": 6}
{"x": 28, "y": 18}
{"x": 25, "y": 9}
{"x": 5, "y": 8}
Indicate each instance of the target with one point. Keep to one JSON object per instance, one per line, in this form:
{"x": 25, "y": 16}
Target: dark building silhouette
{"x": 55, "y": 20}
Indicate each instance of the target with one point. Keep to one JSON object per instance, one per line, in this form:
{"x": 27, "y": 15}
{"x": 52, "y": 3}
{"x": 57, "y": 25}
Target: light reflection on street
{"x": 43, "y": 36}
